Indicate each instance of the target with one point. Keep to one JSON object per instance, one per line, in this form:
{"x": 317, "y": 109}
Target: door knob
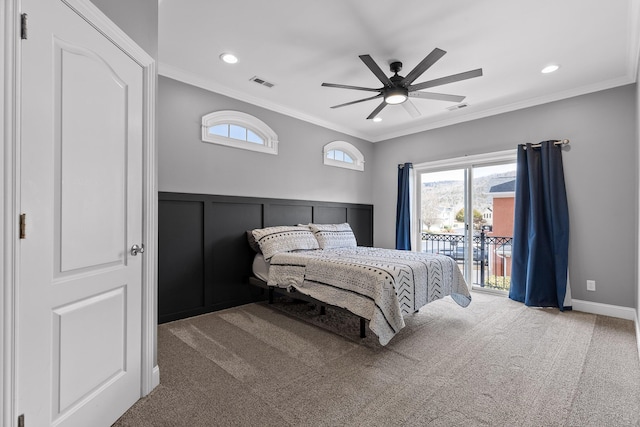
{"x": 135, "y": 249}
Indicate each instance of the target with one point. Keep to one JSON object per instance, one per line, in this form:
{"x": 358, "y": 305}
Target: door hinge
{"x": 23, "y": 226}
{"x": 23, "y": 26}
{"x": 21, "y": 420}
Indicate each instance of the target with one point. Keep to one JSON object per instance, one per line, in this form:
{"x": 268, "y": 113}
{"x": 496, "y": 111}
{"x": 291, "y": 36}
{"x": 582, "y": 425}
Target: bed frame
{"x": 204, "y": 260}
{"x": 302, "y": 297}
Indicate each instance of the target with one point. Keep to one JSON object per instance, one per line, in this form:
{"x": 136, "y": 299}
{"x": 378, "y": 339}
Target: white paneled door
{"x": 79, "y": 294}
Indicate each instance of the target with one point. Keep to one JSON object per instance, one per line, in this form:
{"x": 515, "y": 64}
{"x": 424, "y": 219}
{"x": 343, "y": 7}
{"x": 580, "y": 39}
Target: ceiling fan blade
{"x": 355, "y": 102}
{"x": 445, "y": 80}
{"x": 424, "y": 65}
{"x": 411, "y": 109}
{"x": 375, "y": 69}
{"x": 350, "y": 87}
{"x": 437, "y": 96}
{"x": 377, "y": 110}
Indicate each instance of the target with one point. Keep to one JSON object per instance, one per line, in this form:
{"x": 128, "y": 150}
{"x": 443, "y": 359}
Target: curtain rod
{"x": 557, "y": 142}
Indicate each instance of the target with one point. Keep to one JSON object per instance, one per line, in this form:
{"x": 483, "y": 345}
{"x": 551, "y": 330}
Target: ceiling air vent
{"x": 261, "y": 81}
{"x": 457, "y": 107}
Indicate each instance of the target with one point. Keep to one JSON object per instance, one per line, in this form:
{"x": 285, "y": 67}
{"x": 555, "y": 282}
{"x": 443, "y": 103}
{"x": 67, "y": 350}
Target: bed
{"x": 324, "y": 263}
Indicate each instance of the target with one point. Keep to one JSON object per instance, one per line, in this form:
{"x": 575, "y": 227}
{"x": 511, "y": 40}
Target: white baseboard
{"x": 627, "y": 313}
{"x": 156, "y": 377}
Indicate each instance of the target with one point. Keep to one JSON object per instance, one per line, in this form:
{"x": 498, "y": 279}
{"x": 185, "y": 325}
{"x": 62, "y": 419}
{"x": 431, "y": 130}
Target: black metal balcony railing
{"x": 491, "y": 256}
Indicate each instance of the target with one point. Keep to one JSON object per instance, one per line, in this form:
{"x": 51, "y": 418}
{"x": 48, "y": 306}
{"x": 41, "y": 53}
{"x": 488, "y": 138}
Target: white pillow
{"x": 332, "y": 236}
{"x": 274, "y": 240}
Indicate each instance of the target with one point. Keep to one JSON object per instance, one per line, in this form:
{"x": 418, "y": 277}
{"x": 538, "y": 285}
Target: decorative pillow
{"x": 252, "y": 242}
{"x": 274, "y": 240}
{"x": 334, "y": 235}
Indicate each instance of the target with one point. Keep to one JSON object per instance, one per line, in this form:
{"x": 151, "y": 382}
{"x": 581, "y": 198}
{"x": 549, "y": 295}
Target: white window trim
{"x": 245, "y": 120}
{"x": 467, "y": 161}
{"x": 350, "y": 149}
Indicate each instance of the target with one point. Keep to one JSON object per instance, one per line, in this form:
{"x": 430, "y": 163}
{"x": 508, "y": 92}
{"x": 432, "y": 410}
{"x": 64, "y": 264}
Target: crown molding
{"x": 532, "y": 102}
{"x": 194, "y": 80}
{"x": 183, "y": 76}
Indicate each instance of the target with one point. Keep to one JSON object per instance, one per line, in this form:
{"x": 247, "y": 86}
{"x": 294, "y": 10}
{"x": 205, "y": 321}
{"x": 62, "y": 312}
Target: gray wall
{"x": 600, "y": 173}
{"x": 186, "y": 164}
{"x": 137, "y": 18}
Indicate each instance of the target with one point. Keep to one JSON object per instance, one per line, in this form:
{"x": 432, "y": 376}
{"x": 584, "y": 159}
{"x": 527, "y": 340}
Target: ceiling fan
{"x": 398, "y": 89}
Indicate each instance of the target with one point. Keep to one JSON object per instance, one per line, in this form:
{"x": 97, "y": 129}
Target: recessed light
{"x": 377, "y": 119}
{"x": 229, "y": 58}
{"x": 550, "y": 69}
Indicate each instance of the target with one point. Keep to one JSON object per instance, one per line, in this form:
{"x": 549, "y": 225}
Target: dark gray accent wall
{"x": 600, "y": 168}
{"x": 137, "y": 18}
{"x": 204, "y": 258}
{"x": 188, "y": 165}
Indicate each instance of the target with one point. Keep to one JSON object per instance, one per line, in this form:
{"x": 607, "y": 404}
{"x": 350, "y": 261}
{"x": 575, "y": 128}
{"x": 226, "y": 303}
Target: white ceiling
{"x": 299, "y": 44}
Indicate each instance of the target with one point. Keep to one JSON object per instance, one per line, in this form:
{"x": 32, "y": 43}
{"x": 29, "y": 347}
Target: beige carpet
{"x": 495, "y": 363}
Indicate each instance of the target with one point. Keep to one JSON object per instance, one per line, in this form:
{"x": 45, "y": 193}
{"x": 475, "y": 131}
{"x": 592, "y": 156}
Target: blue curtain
{"x": 541, "y": 228}
{"x": 403, "y": 210}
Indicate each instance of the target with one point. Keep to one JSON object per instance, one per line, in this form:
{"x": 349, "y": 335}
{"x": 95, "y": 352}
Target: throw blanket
{"x": 378, "y": 284}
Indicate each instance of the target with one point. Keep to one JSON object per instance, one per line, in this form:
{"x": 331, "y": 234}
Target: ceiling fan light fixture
{"x": 377, "y": 119}
{"x": 396, "y": 89}
{"x": 395, "y": 99}
{"x": 396, "y": 95}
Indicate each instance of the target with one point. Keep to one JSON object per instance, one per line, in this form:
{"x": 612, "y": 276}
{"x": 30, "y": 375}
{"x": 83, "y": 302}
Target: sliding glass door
{"x": 465, "y": 211}
{"x": 493, "y": 196}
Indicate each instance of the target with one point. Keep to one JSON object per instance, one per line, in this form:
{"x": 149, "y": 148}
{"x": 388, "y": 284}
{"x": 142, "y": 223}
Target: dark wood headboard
{"x": 204, "y": 261}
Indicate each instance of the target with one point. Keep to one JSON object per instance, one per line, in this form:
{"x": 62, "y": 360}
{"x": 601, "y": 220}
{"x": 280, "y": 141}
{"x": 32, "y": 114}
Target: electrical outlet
{"x": 591, "y": 285}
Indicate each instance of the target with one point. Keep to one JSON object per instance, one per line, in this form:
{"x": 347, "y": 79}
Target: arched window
{"x": 343, "y": 155}
{"x": 239, "y": 130}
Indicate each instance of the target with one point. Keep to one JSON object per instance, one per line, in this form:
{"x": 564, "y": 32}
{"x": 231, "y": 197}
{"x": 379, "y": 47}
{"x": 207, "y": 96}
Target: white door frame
{"x": 10, "y": 190}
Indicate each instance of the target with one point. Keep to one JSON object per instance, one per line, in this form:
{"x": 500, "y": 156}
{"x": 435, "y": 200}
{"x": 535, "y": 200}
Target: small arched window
{"x": 239, "y": 130}
{"x": 343, "y": 155}
{"x": 339, "y": 155}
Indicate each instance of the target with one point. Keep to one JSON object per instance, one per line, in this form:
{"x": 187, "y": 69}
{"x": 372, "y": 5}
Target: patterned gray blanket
{"x": 377, "y": 284}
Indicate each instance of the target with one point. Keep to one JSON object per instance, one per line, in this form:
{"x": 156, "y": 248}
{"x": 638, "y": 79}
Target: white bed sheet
{"x": 260, "y": 267}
